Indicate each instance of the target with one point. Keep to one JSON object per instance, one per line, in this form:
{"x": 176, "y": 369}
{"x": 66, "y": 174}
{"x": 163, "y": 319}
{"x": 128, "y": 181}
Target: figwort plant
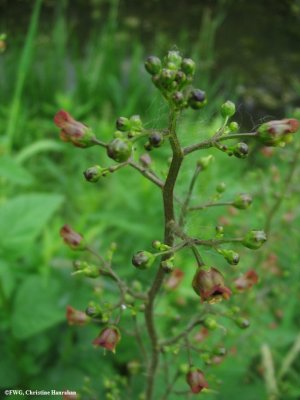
{"x": 173, "y": 77}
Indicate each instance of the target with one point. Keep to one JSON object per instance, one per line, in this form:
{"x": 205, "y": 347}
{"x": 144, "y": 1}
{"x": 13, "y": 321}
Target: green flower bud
{"x": 241, "y": 150}
{"x": 230, "y": 256}
{"x": 205, "y": 162}
{"x": 119, "y": 150}
{"x": 123, "y": 124}
{"x": 254, "y": 239}
{"x": 180, "y": 78}
{"x": 174, "y": 57}
{"x": 179, "y": 99}
{"x": 147, "y": 146}
{"x": 242, "y": 323}
{"x": 93, "y": 174}
{"x": 86, "y": 269}
{"x": 221, "y": 187}
{"x": 188, "y": 66}
{"x": 228, "y": 109}
{"x": 143, "y": 259}
{"x": 197, "y": 99}
{"x": 136, "y": 123}
{"x": 219, "y": 231}
{"x": 93, "y": 310}
{"x": 167, "y": 76}
{"x": 168, "y": 265}
{"x": 210, "y": 323}
{"x": 233, "y": 126}
{"x": 156, "y": 139}
{"x": 157, "y": 81}
{"x": 153, "y": 65}
{"x": 242, "y": 201}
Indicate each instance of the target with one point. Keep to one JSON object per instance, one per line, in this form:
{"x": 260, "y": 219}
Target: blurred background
{"x": 87, "y": 57}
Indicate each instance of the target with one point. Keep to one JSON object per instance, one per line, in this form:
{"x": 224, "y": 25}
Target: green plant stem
{"x": 186, "y": 202}
{"x": 23, "y": 69}
{"x": 169, "y": 215}
{"x": 269, "y": 372}
{"x": 147, "y": 174}
{"x": 189, "y": 328}
{"x": 203, "y": 206}
{"x": 206, "y": 144}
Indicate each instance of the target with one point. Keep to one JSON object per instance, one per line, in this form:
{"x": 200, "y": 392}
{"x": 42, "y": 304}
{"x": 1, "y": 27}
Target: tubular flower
{"x": 76, "y": 317}
{"x": 209, "y": 285}
{"x": 73, "y": 131}
{"x": 278, "y": 132}
{"x": 247, "y": 280}
{"x": 108, "y": 338}
{"x": 196, "y": 380}
{"x": 72, "y": 238}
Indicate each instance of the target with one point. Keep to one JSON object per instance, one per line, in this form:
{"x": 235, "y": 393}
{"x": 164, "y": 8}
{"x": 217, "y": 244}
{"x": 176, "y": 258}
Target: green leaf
{"x": 23, "y": 218}
{"x": 37, "y": 307}
{"x": 11, "y": 171}
{"x": 7, "y": 279}
{"x": 45, "y": 145}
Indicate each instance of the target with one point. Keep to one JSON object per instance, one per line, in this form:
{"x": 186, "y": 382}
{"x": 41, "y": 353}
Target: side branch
{"x": 206, "y": 144}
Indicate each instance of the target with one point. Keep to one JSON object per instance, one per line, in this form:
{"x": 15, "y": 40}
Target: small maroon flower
{"x": 247, "y": 280}
{"x": 72, "y": 238}
{"x": 196, "y": 380}
{"x": 210, "y": 286}
{"x": 108, "y": 338}
{"x": 73, "y": 131}
{"x": 278, "y": 132}
{"x": 76, "y": 317}
{"x": 174, "y": 279}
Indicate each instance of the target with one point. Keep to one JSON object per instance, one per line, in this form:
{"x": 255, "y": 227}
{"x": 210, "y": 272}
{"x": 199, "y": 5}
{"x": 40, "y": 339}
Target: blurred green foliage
{"x": 42, "y": 187}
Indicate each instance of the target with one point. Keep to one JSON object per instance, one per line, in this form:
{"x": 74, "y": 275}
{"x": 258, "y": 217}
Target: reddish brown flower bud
{"x": 73, "y": 131}
{"x": 72, "y": 238}
{"x": 174, "y": 279}
{"x": 76, "y": 317}
{"x": 278, "y": 133}
{"x": 209, "y": 285}
{"x": 247, "y": 280}
{"x": 196, "y": 380}
{"x": 108, "y": 338}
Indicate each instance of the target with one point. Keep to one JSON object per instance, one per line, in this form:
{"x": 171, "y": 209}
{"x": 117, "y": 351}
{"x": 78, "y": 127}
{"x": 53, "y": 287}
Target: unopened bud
{"x": 156, "y": 139}
{"x": 254, "y": 239}
{"x": 153, "y": 65}
{"x": 204, "y": 162}
{"x": 197, "y": 99}
{"x": 123, "y": 124}
{"x": 242, "y": 323}
{"x": 230, "y": 256}
{"x": 228, "y": 109}
{"x": 119, "y": 150}
{"x": 93, "y": 174}
{"x": 188, "y": 66}
{"x": 242, "y": 201}
{"x": 143, "y": 259}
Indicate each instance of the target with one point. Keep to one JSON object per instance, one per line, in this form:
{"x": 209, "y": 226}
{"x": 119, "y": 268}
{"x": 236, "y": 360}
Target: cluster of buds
{"x": 209, "y": 284}
{"x": 86, "y": 269}
{"x": 278, "y": 132}
{"x": 239, "y": 150}
{"x": 173, "y": 77}
{"x": 74, "y": 131}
